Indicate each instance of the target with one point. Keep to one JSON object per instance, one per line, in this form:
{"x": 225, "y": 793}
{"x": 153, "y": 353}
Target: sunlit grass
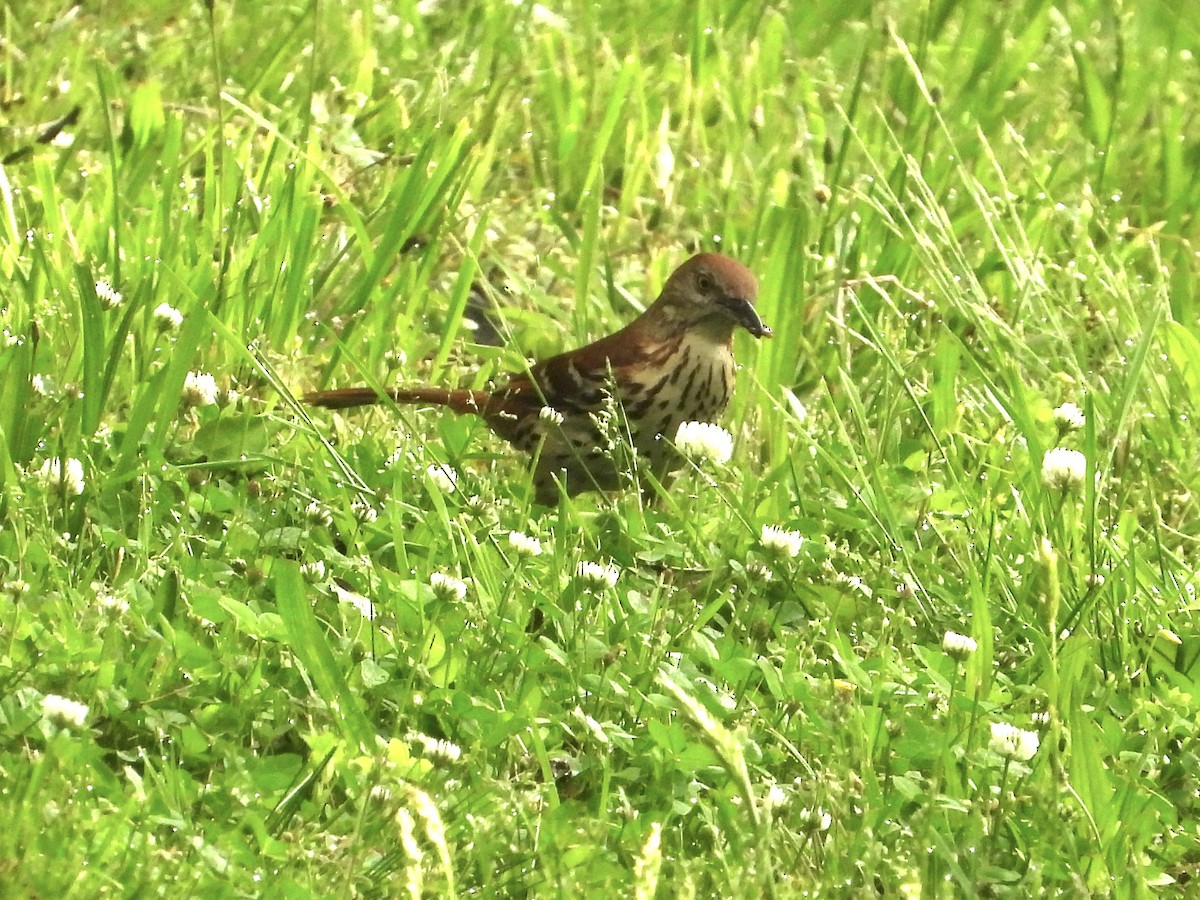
{"x": 312, "y": 662}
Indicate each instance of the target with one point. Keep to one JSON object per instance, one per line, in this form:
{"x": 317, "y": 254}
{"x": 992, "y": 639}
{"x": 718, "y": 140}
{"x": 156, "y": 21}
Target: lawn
{"x": 931, "y": 631}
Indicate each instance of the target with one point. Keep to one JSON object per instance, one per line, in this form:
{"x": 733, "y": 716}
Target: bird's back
{"x": 584, "y": 409}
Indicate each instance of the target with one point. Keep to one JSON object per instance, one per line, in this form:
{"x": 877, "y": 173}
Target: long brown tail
{"x": 461, "y": 401}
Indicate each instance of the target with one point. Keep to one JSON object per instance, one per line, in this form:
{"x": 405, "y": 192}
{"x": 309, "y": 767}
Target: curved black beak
{"x": 743, "y": 312}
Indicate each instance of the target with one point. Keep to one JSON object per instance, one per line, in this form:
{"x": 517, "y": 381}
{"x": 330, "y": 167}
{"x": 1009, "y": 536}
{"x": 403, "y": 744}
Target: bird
{"x": 672, "y": 364}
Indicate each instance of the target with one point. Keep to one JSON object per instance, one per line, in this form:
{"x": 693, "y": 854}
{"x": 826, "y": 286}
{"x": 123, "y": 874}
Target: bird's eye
{"x": 704, "y": 282}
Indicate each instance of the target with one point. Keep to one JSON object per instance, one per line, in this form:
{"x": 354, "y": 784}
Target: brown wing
{"x": 579, "y": 380}
{"x": 574, "y": 384}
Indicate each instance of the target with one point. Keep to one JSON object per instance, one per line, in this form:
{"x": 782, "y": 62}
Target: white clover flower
{"x": 757, "y": 570}
{"x": 363, "y": 510}
{"x": 1040, "y": 719}
{"x": 598, "y": 575}
{"x": 776, "y": 797}
{"x": 780, "y": 541}
{"x": 855, "y": 583}
{"x": 318, "y": 514}
{"x": 66, "y": 480}
{"x": 109, "y": 297}
{"x": 1012, "y": 742}
{"x": 444, "y": 750}
{"x": 64, "y": 711}
{"x": 1063, "y": 469}
{"x": 199, "y": 389}
{"x": 447, "y": 587}
{"x": 16, "y": 588}
{"x": 1069, "y": 417}
{"x": 109, "y": 603}
{"x": 478, "y": 505}
{"x": 958, "y": 646}
{"x": 167, "y": 317}
{"x": 814, "y": 819}
{"x": 704, "y": 441}
{"x": 444, "y": 478}
{"x": 524, "y": 545}
{"x": 550, "y": 415}
{"x": 41, "y": 386}
{"x": 313, "y": 572}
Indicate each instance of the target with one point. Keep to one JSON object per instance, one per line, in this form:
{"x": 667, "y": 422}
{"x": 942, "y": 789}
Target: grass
{"x": 963, "y": 216}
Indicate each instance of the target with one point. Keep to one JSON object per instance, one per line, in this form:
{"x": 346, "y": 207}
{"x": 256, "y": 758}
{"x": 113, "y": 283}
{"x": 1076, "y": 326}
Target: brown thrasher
{"x": 672, "y": 364}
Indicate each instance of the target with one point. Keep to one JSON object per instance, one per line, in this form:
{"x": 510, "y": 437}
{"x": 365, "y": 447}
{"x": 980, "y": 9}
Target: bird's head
{"x": 713, "y": 294}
